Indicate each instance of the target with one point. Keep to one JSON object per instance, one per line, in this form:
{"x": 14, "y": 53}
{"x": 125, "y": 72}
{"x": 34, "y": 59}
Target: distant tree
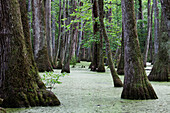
{"x": 156, "y": 27}
{"x": 146, "y": 50}
{"x": 22, "y": 86}
{"x": 40, "y": 40}
{"x": 48, "y": 29}
{"x": 136, "y": 83}
{"x": 161, "y": 67}
{"x": 120, "y": 68}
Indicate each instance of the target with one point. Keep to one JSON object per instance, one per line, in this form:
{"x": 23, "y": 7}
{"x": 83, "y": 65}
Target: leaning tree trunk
{"x": 120, "y": 68}
{"x": 116, "y": 79}
{"x": 25, "y": 88}
{"x": 161, "y": 67}
{"x": 136, "y": 83}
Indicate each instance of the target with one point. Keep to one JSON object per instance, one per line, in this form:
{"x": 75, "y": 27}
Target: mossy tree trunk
{"x": 22, "y": 84}
{"x": 116, "y": 79}
{"x": 95, "y": 33}
{"x": 161, "y": 67}
{"x": 39, "y": 28}
{"x": 136, "y": 83}
{"x": 120, "y": 68}
{"x": 100, "y": 67}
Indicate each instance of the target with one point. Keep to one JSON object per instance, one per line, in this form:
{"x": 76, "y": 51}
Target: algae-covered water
{"x": 83, "y": 91}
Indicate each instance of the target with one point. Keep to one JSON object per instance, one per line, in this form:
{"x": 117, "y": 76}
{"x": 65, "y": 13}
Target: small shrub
{"x": 51, "y": 79}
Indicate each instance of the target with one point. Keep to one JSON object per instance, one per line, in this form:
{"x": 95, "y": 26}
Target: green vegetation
{"x": 50, "y": 79}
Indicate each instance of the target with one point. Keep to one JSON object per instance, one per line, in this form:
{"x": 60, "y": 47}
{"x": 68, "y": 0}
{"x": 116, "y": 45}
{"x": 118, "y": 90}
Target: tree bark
{"x": 25, "y": 89}
{"x": 63, "y": 37}
{"x": 36, "y": 26}
{"x": 151, "y": 44}
{"x": 69, "y": 47}
{"x": 136, "y": 83}
{"x": 156, "y": 27}
{"x": 161, "y": 67}
{"x": 48, "y": 29}
{"x": 29, "y": 16}
{"x": 53, "y": 29}
{"x": 116, "y": 79}
{"x": 100, "y": 67}
{"x": 59, "y": 37}
{"x": 42, "y": 58}
{"x": 120, "y": 68}
{"x": 145, "y": 55}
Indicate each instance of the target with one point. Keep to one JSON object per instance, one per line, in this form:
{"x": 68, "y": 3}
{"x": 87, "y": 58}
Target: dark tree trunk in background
{"x": 161, "y": 67}
{"x": 116, "y": 79}
{"x": 63, "y": 37}
{"x": 48, "y": 29}
{"x": 151, "y": 44}
{"x": 69, "y": 43}
{"x": 95, "y": 32}
{"x": 136, "y": 83}
{"x": 53, "y": 30}
{"x": 156, "y": 28}
{"x": 145, "y": 55}
{"x": 25, "y": 89}
{"x": 79, "y": 40}
{"x": 59, "y": 37}
{"x": 120, "y": 69}
{"x": 100, "y": 67}
{"x": 36, "y": 26}
{"x": 141, "y": 30}
{"x": 39, "y": 28}
{"x": 29, "y": 16}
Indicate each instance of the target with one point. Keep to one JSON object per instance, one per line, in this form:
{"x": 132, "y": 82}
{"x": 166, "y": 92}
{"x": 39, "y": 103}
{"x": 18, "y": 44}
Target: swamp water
{"x": 83, "y": 91}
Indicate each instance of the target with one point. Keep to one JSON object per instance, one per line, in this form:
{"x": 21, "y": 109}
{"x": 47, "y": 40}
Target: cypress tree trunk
{"x": 36, "y": 26}
{"x": 116, "y": 79}
{"x": 29, "y": 16}
{"x": 53, "y": 30}
{"x": 48, "y": 29}
{"x": 156, "y": 27}
{"x": 120, "y": 68}
{"x": 69, "y": 47}
{"x": 22, "y": 84}
{"x": 145, "y": 55}
{"x": 151, "y": 44}
{"x": 100, "y": 67}
{"x": 59, "y": 37}
{"x": 161, "y": 67}
{"x": 136, "y": 83}
{"x": 39, "y": 28}
{"x": 95, "y": 33}
{"x": 63, "y": 37}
